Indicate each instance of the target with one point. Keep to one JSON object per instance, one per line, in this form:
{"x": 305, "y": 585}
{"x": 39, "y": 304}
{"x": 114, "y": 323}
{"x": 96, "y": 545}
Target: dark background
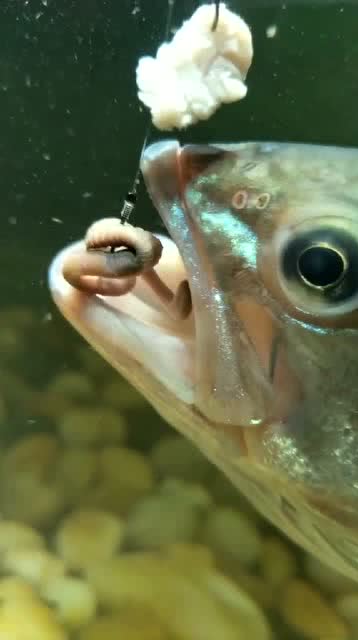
{"x": 70, "y": 125}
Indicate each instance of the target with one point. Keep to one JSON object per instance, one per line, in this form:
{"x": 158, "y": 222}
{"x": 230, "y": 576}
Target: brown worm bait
{"x": 114, "y": 255}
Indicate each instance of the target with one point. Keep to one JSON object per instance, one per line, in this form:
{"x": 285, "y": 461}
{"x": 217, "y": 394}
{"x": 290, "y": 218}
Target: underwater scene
{"x": 161, "y": 479}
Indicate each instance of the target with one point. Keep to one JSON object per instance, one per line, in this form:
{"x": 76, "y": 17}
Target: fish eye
{"x": 321, "y": 266}
{"x": 319, "y": 269}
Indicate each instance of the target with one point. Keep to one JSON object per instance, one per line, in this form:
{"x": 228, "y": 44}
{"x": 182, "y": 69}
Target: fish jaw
{"x": 234, "y": 332}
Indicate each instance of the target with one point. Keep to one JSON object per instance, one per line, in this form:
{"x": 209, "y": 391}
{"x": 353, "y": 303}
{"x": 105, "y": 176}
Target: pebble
{"x": 118, "y": 394}
{"x": 190, "y": 557}
{"x": 134, "y": 623}
{"x": 347, "y": 607}
{"x": 125, "y": 476}
{"x": 19, "y": 318}
{"x": 248, "y": 616}
{"x": 38, "y": 566}
{"x": 257, "y": 588}
{"x": 26, "y": 499}
{"x": 15, "y": 535}
{"x": 305, "y": 610}
{"x": 95, "y": 366}
{"x": 29, "y": 620}
{"x": 92, "y": 426}
{"x": 12, "y": 343}
{"x": 232, "y": 534}
{"x": 88, "y": 536}
{"x": 278, "y": 563}
{"x": 18, "y": 393}
{"x": 174, "y": 456}
{"x": 225, "y": 493}
{"x": 16, "y": 589}
{"x": 73, "y": 600}
{"x": 3, "y": 409}
{"x": 191, "y": 608}
{"x": 36, "y": 455}
{"x": 77, "y": 472}
{"x": 173, "y": 514}
{"x": 74, "y": 385}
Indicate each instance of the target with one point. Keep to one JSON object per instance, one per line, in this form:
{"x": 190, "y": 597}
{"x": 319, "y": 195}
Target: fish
{"x": 262, "y": 374}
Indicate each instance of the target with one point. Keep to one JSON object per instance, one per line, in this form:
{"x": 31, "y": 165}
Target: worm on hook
{"x": 114, "y": 255}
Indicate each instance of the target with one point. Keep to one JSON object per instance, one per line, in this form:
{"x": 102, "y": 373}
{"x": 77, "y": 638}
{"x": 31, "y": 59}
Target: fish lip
{"x": 116, "y": 329}
{"x": 160, "y": 168}
{"x": 158, "y": 150}
{"x": 55, "y": 280}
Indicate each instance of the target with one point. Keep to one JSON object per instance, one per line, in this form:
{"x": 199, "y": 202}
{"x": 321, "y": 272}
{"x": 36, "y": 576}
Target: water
{"x": 70, "y": 133}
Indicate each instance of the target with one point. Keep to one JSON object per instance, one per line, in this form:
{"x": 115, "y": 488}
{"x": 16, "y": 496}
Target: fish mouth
{"x": 195, "y": 359}
{"x": 133, "y": 332}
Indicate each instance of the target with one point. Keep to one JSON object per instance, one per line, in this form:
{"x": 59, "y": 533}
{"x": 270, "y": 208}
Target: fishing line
{"x": 130, "y": 199}
{"x": 216, "y": 17}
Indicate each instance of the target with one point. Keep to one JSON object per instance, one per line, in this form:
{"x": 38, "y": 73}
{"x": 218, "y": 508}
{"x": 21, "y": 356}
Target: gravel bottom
{"x": 113, "y": 526}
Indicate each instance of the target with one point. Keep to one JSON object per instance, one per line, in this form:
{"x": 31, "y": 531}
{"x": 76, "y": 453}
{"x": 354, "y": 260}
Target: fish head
{"x": 263, "y": 374}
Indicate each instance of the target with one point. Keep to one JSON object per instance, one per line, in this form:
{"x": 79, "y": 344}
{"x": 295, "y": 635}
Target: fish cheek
{"x": 264, "y": 333}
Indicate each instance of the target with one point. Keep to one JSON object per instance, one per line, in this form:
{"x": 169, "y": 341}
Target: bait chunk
{"x": 197, "y": 71}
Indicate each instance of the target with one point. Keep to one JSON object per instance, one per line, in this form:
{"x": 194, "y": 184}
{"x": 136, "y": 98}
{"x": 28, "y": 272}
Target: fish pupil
{"x": 321, "y": 266}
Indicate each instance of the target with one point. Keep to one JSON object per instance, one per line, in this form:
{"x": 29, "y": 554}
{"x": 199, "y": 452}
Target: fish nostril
{"x": 245, "y": 198}
{"x": 239, "y": 200}
{"x": 263, "y": 201}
